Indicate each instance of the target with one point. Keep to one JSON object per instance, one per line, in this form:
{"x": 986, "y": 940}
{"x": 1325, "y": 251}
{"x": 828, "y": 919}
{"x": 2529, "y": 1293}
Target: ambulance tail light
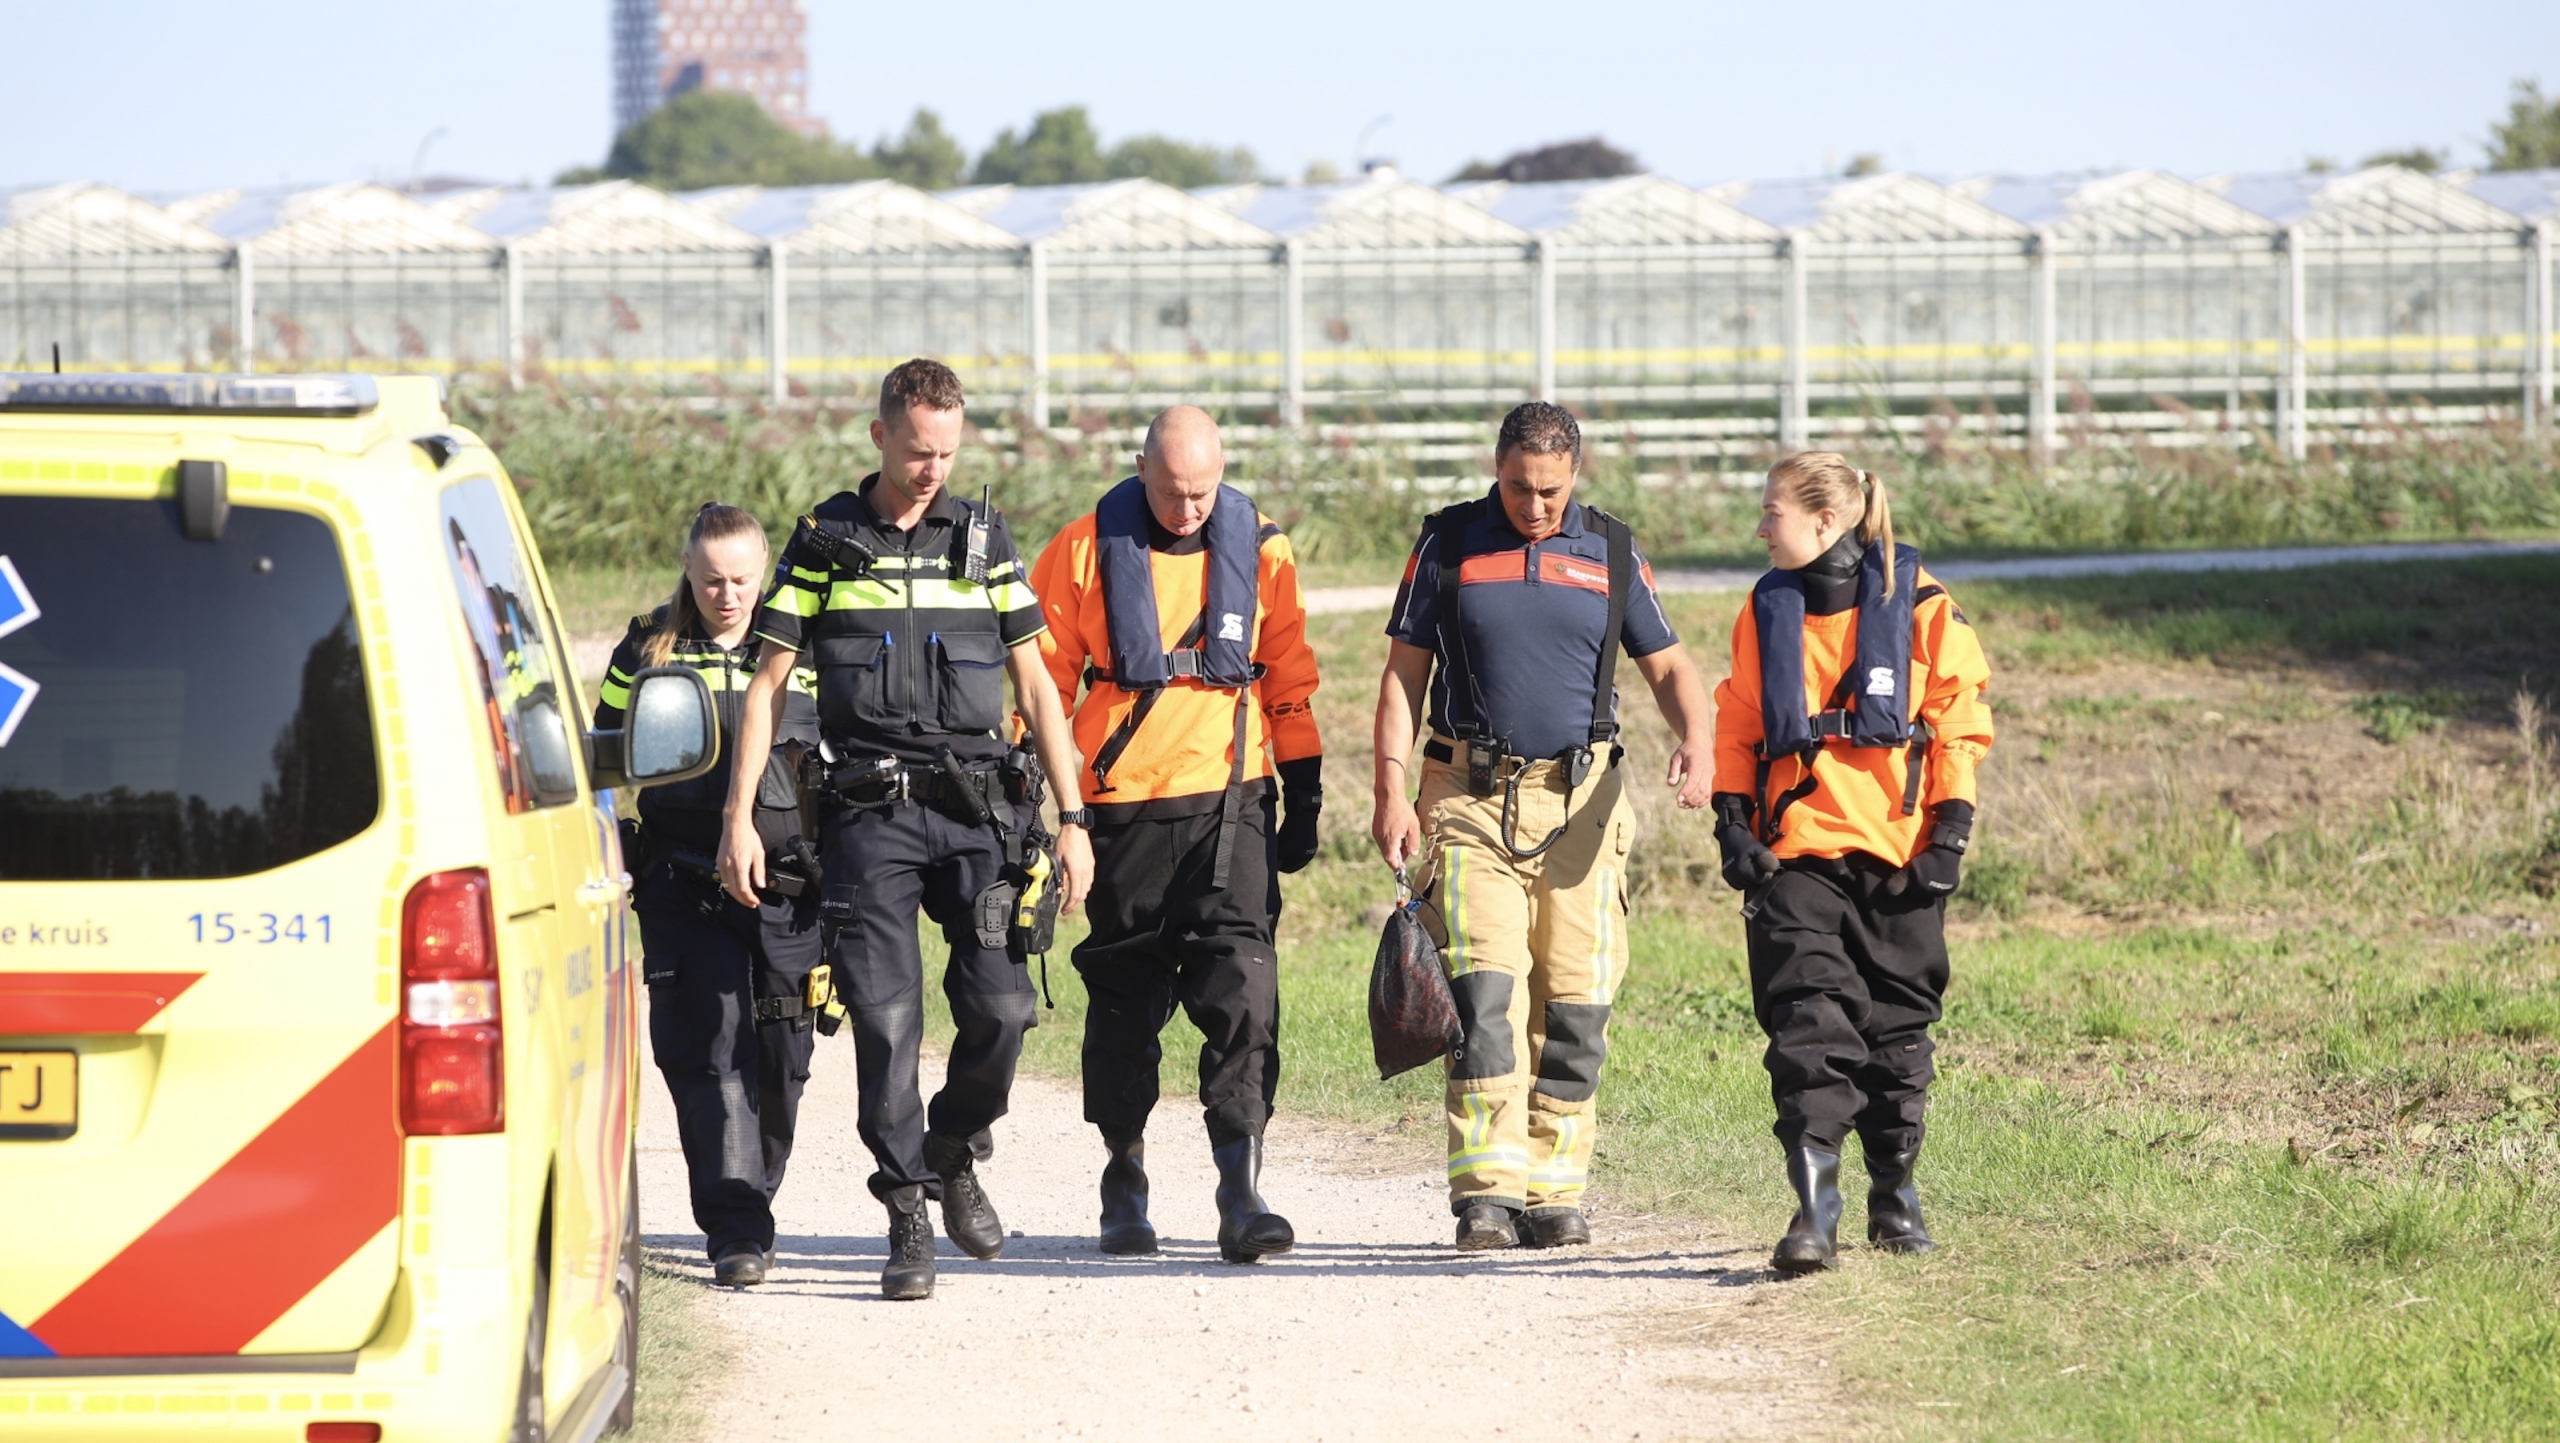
{"x": 452, "y": 1064}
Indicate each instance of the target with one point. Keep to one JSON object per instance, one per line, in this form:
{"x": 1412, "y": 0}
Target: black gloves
{"x": 1747, "y": 864}
{"x": 1301, "y": 802}
{"x": 1938, "y": 867}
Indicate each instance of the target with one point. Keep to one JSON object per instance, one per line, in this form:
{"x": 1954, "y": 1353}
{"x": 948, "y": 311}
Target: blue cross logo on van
{"x": 17, "y": 690}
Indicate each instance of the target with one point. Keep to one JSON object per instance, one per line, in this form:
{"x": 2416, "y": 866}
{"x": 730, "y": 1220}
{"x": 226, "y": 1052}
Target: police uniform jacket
{"x": 688, "y": 813}
{"x": 909, "y": 650}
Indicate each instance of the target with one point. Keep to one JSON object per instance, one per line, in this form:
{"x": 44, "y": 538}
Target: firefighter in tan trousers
{"x": 1524, "y": 600}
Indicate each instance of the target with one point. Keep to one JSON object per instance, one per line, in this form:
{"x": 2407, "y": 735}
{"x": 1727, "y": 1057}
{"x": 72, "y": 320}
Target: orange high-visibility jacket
{"x": 1857, "y": 804}
{"x": 1184, "y": 747}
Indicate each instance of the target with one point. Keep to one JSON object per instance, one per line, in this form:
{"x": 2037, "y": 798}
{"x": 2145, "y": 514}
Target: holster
{"x": 1018, "y": 911}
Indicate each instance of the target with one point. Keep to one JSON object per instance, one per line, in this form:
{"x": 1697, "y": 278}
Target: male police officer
{"x": 1176, "y": 605}
{"x": 913, "y": 606}
{"x": 1524, "y": 599}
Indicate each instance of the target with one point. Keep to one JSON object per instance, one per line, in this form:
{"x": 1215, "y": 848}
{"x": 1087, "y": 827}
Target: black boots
{"x": 967, "y": 1217}
{"x": 1248, "y": 1232}
{"x": 909, "y": 1274}
{"x": 1812, "y": 1241}
{"x": 1125, "y": 1229}
{"x": 1556, "y": 1228}
{"x": 1484, "y": 1226}
{"x": 1893, "y": 1203}
{"x": 743, "y": 1266}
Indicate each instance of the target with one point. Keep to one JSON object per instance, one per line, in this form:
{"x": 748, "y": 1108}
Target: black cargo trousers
{"x": 735, "y": 1081}
{"x": 1163, "y": 935}
{"x": 882, "y": 864}
{"x": 1848, "y": 971}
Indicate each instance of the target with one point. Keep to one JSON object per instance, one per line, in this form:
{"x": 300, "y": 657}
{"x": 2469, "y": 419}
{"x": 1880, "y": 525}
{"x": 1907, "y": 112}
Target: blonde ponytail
{"x": 1876, "y": 526}
{"x": 1825, "y": 481}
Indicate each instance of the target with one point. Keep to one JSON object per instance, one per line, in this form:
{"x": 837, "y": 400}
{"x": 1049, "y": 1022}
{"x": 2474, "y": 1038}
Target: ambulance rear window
{"x": 175, "y": 708}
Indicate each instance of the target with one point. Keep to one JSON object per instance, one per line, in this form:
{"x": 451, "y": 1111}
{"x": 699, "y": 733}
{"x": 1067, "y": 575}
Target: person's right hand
{"x": 1396, "y": 829}
{"x": 741, "y": 860}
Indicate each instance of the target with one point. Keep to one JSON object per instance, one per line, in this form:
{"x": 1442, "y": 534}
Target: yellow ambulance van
{"x": 318, "y": 1065}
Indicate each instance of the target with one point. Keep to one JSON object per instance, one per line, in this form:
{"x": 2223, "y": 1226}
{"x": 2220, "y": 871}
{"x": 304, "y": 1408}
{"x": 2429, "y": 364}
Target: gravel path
{"x": 1379, "y": 598}
{"x": 1374, "y": 1328}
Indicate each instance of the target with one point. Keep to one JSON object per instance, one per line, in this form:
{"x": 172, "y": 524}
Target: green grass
{"x": 2242, "y": 1131}
{"x": 682, "y": 1356}
{"x": 609, "y": 478}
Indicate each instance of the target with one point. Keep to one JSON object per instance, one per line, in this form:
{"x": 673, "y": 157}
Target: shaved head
{"x": 1181, "y": 467}
{"x": 1185, "y": 436}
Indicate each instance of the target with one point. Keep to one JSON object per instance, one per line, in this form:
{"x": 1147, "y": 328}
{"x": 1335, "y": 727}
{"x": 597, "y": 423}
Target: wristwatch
{"x": 1080, "y": 817}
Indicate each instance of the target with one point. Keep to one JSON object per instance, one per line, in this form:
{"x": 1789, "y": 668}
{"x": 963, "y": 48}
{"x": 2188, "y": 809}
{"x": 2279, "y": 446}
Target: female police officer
{"x": 728, "y": 983}
{"x": 1846, "y": 739}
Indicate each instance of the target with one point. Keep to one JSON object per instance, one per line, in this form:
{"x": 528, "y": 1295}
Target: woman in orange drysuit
{"x": 1846, "y": 741}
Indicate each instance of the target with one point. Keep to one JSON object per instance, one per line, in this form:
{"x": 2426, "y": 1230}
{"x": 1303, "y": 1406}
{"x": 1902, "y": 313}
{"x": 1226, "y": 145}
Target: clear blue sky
{"x": 162, "y": 95}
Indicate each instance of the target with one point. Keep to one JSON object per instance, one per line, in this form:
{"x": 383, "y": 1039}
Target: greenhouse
{"x": 2031, "y": 308}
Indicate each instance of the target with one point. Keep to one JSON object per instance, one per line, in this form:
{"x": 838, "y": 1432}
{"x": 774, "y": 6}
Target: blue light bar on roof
{"x": 189, "y": 394}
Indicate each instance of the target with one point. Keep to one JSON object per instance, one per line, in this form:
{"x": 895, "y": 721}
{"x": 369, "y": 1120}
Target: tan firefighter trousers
{"x": 1536, "y": 949}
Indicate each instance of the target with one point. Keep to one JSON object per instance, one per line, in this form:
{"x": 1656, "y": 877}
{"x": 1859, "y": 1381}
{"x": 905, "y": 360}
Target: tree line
{"x": 707, "y": 138}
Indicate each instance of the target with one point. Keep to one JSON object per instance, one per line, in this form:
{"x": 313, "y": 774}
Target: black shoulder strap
{"x": 1118, "y": 742}
{"x": 1622, "y": 582}
{"x": 1450, "y": 529}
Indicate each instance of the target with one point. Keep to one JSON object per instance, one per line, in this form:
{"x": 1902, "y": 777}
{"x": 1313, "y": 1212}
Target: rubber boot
{"x": 1484, "y": 1227}
{"x": 967, "y": 1217}
{"x": 1812, "y": 1241}
{"x": 1248, "y": 1232}
{"x": 909, "y": 1274}
{"x": 1893, "y": 1203}
{"x": 1125, "y": 1230}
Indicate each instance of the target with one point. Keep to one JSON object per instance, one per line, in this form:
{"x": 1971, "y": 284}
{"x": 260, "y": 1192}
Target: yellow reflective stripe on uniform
{"x": 804, "y": 574}
{"x": 1570, "y": 1165}
{"x": 793, "y": 599}
{"x": 804, "y": 680}
{"x": 614, "y": 693}
{"x": 865, "y": 594}
{"x": 1477, "y": 1150}
{"x": 1453, "y": 910}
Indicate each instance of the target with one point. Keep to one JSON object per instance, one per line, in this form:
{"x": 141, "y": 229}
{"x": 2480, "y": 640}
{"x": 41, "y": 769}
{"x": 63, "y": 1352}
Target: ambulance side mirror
{"x": 670, "y": 732}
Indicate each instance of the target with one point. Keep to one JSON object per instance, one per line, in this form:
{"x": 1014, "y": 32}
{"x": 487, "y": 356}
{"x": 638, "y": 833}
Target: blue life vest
{"x": 1873, "y": 705}
{"x": 1224, "y": 656}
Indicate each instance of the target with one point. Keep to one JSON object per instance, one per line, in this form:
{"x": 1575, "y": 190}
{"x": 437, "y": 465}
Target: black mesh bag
{"x": 1412, "y": 1016}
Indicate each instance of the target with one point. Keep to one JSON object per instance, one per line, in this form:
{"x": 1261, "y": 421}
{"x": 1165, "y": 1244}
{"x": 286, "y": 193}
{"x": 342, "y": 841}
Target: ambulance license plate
{"x": 39, "y": 1095}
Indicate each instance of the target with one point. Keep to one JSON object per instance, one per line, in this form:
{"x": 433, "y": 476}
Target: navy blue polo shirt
{"x": 1533, "y": 614}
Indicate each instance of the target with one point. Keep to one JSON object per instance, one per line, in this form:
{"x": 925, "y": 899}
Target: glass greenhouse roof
{"x": 1632, "y": 210}
{"x": 868, "y": 217}
{"x": 83, "y": 219}
{"x": 1109, "y": 215}
{"x": 1879, "y": 209}
{"x": 327, "y": 220}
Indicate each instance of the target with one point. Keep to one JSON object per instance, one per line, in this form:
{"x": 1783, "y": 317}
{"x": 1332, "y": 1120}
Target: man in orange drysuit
{"x": 1175, "y": 605}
